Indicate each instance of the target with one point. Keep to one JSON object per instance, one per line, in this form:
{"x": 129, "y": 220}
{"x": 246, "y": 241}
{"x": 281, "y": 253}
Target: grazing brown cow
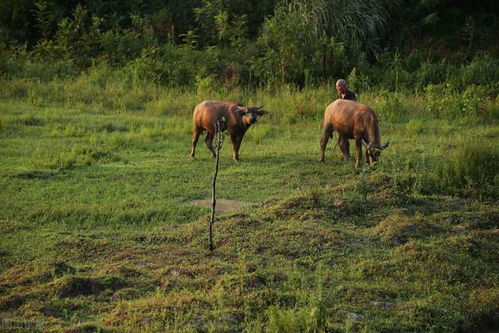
{"x": 356, "y": 121}
{"x": 234, "y": 117}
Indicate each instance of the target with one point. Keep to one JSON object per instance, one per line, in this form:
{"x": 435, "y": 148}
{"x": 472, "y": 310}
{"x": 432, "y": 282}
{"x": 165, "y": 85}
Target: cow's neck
{"x": 239, "y": 129}
{"x": 244, "y": 127}
{"x": 373, "y": 136}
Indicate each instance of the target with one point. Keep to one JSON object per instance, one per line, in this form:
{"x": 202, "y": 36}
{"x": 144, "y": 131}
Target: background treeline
{"x": 394, "y": 44}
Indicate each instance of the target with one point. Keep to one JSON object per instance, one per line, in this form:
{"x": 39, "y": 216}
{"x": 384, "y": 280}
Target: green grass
{"x": 98, "y": 233}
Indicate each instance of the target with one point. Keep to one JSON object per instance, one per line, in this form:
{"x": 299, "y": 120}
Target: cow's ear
{"x": 261, "y": 112}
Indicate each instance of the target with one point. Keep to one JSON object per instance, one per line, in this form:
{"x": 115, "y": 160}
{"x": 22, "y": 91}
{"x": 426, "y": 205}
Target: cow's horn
{"x": 260, "y": 107}
{"x": 365, "y": 144}
{"x": 385, "y": 145}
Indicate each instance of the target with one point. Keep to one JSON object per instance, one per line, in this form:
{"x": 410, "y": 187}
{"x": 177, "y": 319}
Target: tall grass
{"x": 102, "y": 89}
{"x": 285, "y": 61}
{"x": 471, "y": 169}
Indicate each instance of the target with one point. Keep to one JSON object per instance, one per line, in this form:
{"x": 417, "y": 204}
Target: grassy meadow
{"x": 98, "y": 232}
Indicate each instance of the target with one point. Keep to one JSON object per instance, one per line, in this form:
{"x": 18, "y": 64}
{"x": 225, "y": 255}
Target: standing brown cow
{"x": 234, "y": 117}
{"x": 356, "y": 121}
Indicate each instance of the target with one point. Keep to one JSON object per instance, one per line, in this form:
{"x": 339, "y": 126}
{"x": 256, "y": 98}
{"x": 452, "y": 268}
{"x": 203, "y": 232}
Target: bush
{"x": 21, "y": 63}
{"x": 483, "y": 70}
{"x": 430, "y": 73}
{"x": 391, "y": 107}
{"x": 443, "y": 102}
{"x": 491, "y": 110}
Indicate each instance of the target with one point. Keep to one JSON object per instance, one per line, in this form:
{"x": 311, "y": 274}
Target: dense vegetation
{"x": 100, "y": 227}
{"x": 390, "y": 44}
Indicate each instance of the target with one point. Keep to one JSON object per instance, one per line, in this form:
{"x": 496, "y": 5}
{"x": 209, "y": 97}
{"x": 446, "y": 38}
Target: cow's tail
{"x": 195, "y": 117}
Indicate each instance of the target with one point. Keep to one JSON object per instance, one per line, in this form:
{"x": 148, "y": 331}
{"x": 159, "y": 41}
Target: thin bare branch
{"x": 218, "y": 146}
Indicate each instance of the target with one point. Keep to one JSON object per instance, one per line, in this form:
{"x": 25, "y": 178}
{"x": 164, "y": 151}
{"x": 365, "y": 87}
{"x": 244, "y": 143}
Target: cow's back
{"x": 206, "y": 112}
{"x": 208, "y": 109}
{"x": 342, "y": 115}
{"x": 351, "y": 118}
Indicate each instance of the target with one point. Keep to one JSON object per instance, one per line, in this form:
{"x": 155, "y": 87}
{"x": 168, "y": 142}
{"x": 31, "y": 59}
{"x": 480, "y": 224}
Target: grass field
{"x": 99, "y": 233}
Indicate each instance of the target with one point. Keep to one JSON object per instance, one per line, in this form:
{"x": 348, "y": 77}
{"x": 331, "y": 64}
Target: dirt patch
{"x": 123, "y": 271}
{"x": 223, "y": 205}
{"x": 71, "y": 286}
{"x": 35, "y": 175}
{"x": 11, "y": 302}
{"x": 126, "y": 294}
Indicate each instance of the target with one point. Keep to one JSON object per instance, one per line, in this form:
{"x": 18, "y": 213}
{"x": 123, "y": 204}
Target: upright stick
{"x": 218, "y": 146}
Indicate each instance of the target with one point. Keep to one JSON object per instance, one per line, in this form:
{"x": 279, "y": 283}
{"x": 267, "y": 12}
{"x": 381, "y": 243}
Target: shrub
{"x": 430, "y": 73}
{"x": 358, "y": 81}
{"x": 463, "y": 108}
{"x": 390, "y": 107}
{"x": 491, "y": 110}
{"x": 482, "y": 70}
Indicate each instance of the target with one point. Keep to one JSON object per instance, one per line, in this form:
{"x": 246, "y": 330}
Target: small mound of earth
{"x": 223, "y": 205}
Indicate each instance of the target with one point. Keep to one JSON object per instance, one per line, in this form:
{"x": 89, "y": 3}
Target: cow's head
{"x": 373, "y": 150}
{"x": 250, "y": 113}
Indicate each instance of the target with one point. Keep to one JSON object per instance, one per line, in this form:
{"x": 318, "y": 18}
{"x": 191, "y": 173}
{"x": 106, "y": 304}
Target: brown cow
{"x": 234, "y": 117}
{"x": 356, "y": 121}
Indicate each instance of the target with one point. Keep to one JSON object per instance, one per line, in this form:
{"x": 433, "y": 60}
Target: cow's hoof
{"x": 322, "y": 160}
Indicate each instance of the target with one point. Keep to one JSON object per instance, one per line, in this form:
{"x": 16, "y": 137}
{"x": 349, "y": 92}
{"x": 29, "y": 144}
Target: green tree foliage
{"x": 358, "y": 23}
{"x": 292, "y": 52}
{"x": 446, "y": 26}
{"x": 256, "y": 42}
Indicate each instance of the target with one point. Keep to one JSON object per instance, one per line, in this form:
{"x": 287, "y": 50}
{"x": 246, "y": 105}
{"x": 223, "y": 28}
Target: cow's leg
{"x": 327, "y": 133}
{"x": 209, "y": 143}
{"x": 236, "y": 144}
{"x": 195, "y": 138}
{"x": 358, "y": 153}
{"x": 345, "y": 147}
